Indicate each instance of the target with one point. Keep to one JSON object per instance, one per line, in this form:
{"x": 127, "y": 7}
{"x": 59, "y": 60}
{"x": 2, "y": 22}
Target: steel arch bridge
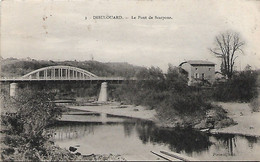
{"x": 60, "y": 73}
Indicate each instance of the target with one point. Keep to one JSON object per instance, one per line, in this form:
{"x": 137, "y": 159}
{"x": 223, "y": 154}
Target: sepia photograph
{"x": 130, "y": 80}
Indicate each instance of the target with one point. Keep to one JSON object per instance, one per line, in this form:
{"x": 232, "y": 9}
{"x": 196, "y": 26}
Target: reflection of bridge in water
{"x": 73, "y": 132}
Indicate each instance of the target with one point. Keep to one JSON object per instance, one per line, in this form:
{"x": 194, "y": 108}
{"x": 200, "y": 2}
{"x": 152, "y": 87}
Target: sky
{"x": 66, "y": 30}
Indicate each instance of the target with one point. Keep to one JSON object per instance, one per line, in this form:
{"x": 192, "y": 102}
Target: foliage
{"x": 241, "y": 87}
{"x": 185, "y": 103}
{"x": 176, "y": 79}
{"x": 168, "y": 94}
{"x": 25, "y": 137}
{"x": 12, "y": 67}
{"x": 175, "y": 102}
{"x": 25, "y": 129}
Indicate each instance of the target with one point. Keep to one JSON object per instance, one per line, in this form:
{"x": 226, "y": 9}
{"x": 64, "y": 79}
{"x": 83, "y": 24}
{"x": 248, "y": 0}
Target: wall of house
{"x": 209, "y": 72}
{"x": 187, "y": 67}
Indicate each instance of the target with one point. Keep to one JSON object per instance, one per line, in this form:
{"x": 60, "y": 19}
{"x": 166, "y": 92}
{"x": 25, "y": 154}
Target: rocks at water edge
{"x": 72, "y": 149}
{"x": 77, "y": 153}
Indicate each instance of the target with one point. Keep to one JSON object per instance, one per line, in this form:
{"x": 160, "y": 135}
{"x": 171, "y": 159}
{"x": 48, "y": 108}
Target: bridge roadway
{"x": 62, "y": 73}
{"x": 44, "y": 79}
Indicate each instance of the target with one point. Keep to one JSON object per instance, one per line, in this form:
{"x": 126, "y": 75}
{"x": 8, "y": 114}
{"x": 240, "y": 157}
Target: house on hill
{"x": 199, "y": 71}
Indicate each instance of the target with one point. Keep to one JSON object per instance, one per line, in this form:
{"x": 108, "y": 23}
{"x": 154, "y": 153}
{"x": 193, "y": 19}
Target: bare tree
{"x": 228, "y": 46}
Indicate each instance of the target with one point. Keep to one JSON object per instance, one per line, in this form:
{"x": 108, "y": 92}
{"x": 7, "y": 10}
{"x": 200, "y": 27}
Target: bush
{"x": 242, "y": 87}
{"x": 25, "y": 129}
{"x": 169, "y": 94}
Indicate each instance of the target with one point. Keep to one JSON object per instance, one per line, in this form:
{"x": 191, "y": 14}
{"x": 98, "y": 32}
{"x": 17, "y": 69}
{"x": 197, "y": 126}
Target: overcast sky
{"x": 57, "y": 30}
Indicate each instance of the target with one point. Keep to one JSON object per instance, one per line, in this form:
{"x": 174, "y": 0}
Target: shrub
{"x": 183, "y": 107}
{"x": 242, "y": 87}
{"x": 25, "y": 129}
{"x": 175, "y": 102}
{"x": 168, "y": 93}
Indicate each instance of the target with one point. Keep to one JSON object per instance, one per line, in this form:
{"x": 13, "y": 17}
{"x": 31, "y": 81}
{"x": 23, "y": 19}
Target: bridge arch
{"x": 60, "y": 72}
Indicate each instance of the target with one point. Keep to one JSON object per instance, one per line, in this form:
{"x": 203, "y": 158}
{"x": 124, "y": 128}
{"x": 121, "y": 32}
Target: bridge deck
{"x": 64, "y": 79}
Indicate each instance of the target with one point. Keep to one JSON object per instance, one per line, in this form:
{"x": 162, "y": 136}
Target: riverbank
{"x": 55, "y": 153}
{"x": 234, "y": 111}
{"x": 142, "y": 137}
{"x": 248, "y": 123}
{"x": 214, "y": 118}
{"x": 131, "y": 111}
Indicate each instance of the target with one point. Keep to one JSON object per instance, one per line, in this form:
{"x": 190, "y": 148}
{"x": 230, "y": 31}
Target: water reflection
{"x": 185, "y": 141}
{"x": 252, "y": 141}
{"x": 72, "y": 130}
{"x": 178, "y": 140}
{"x": 227, "y": 141}
{"x": 128, "y": 129}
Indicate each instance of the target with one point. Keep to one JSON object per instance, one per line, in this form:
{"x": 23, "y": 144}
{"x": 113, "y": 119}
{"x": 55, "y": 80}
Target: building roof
{"x": 198, "y": 62}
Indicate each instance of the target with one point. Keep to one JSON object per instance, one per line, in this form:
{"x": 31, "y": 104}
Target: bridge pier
{"x": 13, "y": 89}
{"x": 103, "y": 93}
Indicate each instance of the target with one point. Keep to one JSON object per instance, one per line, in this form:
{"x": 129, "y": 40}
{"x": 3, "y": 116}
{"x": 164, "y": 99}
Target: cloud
{"x": 58, "y": 30}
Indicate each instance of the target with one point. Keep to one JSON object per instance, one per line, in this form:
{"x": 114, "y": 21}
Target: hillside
{"x": 12, "y": 67}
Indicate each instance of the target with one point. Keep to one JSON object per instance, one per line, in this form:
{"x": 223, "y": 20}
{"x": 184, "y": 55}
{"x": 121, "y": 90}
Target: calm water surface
{"x": 134, "y": 139}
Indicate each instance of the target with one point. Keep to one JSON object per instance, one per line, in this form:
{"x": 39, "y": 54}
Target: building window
{"x": 209, "y": 69}
{"x": 196, "y": 69}
{"x": 196, "y": 75}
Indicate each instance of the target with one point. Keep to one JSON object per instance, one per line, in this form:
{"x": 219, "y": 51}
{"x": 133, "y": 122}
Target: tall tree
{"x": 228, "y": 46}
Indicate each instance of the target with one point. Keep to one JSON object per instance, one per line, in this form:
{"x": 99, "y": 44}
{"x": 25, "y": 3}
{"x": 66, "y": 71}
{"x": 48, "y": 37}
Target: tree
{"x": 26, "y": 134}
{"x": 248, "y": 68}
{"x": 176, "y": 79}
{"x": 228, "y": 46}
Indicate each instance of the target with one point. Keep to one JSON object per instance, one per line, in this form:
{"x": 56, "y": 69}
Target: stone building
{"x": 199, "y": 71}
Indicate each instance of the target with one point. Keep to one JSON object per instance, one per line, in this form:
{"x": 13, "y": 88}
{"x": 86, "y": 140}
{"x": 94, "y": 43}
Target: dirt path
{"x": 247, "y": 123}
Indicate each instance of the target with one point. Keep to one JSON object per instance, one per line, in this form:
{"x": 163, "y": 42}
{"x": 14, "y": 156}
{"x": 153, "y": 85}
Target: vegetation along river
{"x": 135, "y": 138}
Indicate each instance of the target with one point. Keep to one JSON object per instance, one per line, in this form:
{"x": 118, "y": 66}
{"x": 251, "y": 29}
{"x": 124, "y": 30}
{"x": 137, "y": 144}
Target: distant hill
{"x": 12, "y": 67}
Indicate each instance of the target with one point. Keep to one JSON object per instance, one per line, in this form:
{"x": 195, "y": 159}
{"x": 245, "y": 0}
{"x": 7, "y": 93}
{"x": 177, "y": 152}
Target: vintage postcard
{"x": 120, "y": 80}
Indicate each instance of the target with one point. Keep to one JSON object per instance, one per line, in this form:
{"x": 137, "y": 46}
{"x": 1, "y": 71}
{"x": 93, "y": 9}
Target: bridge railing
{"x": 62, "y": 78}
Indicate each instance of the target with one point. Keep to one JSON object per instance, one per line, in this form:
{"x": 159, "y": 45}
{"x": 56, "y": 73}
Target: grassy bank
{"x": 24, "y": 133}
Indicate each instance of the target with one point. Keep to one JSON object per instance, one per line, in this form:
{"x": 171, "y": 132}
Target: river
{"x": 135, "y": 138}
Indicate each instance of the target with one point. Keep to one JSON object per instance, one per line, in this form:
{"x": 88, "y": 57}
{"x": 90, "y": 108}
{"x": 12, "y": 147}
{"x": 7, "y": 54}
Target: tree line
{"x": 12, "y": 67}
